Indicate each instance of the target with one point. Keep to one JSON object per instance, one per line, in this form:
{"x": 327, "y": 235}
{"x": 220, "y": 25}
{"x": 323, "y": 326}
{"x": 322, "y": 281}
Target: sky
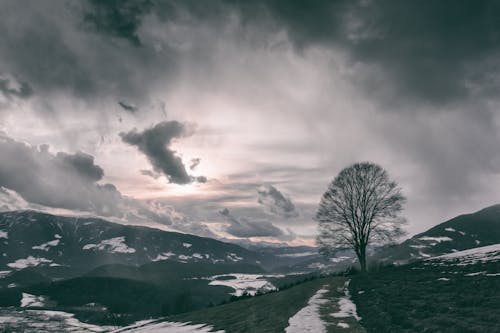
{"x": 229, "y": 118}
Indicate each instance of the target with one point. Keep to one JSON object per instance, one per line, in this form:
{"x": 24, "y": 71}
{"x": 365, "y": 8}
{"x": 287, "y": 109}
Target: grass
{"x": 410, "y": 298}
{"x": 261, "y": 314}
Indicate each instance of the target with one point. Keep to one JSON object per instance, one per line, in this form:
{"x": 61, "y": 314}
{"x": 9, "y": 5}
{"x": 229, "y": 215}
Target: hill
{"x": 457, "y": 292}
{"x": 305, "y": 307}
{"x": 460, "y": 233}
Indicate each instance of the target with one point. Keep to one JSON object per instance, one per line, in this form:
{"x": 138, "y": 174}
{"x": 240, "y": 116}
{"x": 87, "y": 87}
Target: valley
{"x": 109, "y": 278}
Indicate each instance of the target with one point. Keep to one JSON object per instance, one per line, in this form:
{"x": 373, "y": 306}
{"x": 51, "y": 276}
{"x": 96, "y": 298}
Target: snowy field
{"x": 37, "y": 321}
{"x": 244, "y": 283}
{"x": 472, "y": 256}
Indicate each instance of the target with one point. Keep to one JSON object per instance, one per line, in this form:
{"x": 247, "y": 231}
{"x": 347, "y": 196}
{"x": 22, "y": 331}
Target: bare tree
{"x": 361, "y": 206}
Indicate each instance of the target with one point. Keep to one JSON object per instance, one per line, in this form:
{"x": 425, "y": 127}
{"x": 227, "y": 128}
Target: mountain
{"x": 113, "y": 273}
{"x": 460, "y": 233}
{"x": 62, "y": 246}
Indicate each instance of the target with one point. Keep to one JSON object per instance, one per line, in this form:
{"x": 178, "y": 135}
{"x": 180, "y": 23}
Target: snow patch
{"x": 164, "y": 256}
{"x": 347, "y": 308}
{"x": 46, "y": 321}
{"x": 450, "y": 229}
{"x": 46, "y": 246}
{"x": 30, "y": 300}
{"x": 4, "y": 234}
{"x": 187, "y": 245}
{"x": 197, "y": 256}
{"x": 343, "y": 325}
{"x": 244, "y": 283}
{"x": 233, "y": 257}
{"x": 436, "y": 239}
{"x": 443, "y": 279}
{"x": 316, "y": 265}
{"x": 472, "y": 256}
{"x": 167, "y": 327}
{"x": 418, "y": 246}
{"x": 475, "y": 274}
{"x": 423, "y": 255}
{"x": 308, "y": 318}
{"x": 4, "y": 274}
{"x": 340, "y": 259}
{"x": 112, "y": 245}
{"x": 28, "y": 262}
{"x": 298, "y": 255}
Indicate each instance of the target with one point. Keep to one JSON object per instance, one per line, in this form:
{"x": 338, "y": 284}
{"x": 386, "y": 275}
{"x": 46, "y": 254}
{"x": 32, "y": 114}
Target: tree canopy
{"x": 361, "y": 206}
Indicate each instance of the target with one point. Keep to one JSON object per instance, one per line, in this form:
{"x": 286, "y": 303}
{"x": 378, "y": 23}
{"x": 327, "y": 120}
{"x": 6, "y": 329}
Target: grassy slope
{"x": 411, "y": 299}
{"x": 262, "y": 314}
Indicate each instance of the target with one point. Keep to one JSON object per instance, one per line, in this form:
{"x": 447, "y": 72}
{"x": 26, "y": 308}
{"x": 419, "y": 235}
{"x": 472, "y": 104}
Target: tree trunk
{"x": 362, "y": 259}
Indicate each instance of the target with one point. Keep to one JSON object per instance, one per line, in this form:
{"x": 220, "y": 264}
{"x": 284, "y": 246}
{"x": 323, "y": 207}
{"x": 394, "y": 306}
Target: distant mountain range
{"x": 460, "y": 233}
{"x": 70, "y": 245}
{"x": 91, "y": 266}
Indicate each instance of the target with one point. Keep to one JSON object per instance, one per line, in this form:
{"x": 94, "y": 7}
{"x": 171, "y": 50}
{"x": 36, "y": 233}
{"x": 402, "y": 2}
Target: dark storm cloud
{"x": 57, "y": 47}
{"x": 28, "y": 31}
{"x": 83, "y": 164}
{"x": 62, "y": 180}
{"x": 117, "y": 18}
{"x": 273, "y": 200}
{"x": 155, "y": 143}
{"x": 432, "y": 52}
{"x": 242, "y": 227}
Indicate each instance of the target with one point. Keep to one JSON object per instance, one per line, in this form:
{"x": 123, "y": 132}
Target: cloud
{"x": 62, "y": 180}
{"x": 119, "y": 19}
{"x": 150, "y": 173}
{"x": 82, "y": 163}
{"x": 274, "y": 201}
{"x": 244, "y": 228}
{"x": 155, "y": 143}
{"x": 275, "y": 84}
{"x": 435, "y": 52}
{"x": 128, "y": 107}
{"x": 160, "y": 211}
{"x": 32, "y": 177}
{"x": 94, "y": 52}
{"x": 194, "y": 163}
{"x": 10, "y": 87}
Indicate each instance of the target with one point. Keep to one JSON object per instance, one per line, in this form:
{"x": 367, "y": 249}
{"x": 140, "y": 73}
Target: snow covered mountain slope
{"x": 460, "y": 233}
{"x": 61, "y": 245}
